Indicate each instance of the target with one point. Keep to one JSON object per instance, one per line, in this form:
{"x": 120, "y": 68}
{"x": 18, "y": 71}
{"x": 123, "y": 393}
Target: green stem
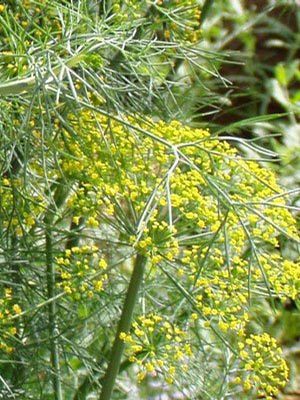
{"x": 60, "y": 194}
{"x": 23, "y": 85}
{"x": 124, "y": 326}
{"x": 54, "y": 351}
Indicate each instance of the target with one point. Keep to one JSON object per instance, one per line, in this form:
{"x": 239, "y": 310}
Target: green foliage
{"x": 118, "y": 204}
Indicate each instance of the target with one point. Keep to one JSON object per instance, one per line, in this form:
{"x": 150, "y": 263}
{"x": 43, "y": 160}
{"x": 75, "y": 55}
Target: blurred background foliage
{"x": 260, "y": 76}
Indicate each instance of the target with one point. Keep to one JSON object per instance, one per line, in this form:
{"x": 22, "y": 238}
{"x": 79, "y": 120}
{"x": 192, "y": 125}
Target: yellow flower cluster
{"x": 121, "y": 9}
{"x": 158, "y": 347}
{"x": 8, "y": 308}
{"x": 22, "y": 218}
{"x": 222, "y": 296}
{"x": 171, "y": 20}
{"x": 158, "y": 241}
{"x": 285, "y": 281}
{"x": 264, "y": 367}
{"x": 187, "y": 201}
{"x": 124, "y": 177}
{"x": 181, "y": 19}
{"x": 82, "y": 271}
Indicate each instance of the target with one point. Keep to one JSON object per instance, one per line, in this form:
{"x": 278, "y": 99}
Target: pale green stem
{"x": 54, "y": 350}
{"x": 59, "y": 197}
{"x": 124, "y": 326}
{"x": 17, "y": 86}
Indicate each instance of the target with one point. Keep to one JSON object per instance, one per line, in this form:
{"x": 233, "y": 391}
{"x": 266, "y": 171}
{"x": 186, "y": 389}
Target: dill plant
{"x": 114, "y": 210}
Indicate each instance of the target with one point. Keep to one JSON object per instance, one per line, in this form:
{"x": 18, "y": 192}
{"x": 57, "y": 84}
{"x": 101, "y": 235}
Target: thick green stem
{"x": 54, "y": 351}
{"x": 124, "y": 326}
{"x": 18, "y": 86}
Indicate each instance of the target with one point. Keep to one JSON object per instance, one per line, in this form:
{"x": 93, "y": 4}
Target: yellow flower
{"x": 17, "y": 309}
